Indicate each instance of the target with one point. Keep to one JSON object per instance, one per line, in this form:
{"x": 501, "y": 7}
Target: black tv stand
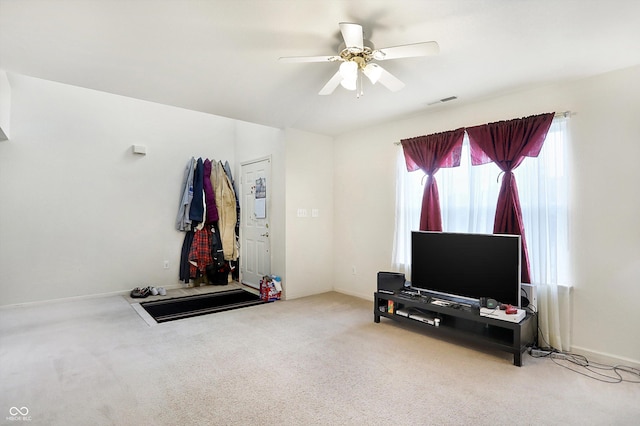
{"x": 458, "y": 321}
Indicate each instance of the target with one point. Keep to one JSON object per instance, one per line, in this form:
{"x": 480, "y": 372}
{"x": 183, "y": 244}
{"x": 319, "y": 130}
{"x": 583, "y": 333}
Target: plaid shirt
{"x": 200, "y": 253}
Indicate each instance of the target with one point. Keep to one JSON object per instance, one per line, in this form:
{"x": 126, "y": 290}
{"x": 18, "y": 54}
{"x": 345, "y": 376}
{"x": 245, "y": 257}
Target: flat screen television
{"x": 467, "y": 266}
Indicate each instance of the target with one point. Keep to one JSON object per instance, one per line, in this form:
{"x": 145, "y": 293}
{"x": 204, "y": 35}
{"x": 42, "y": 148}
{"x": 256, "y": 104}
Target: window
{"x": 468, "y": 197}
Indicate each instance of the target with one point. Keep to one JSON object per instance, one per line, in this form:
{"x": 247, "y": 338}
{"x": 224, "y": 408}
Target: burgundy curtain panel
{"x": 429, "y": 154}
{"x": 507, "y": 143}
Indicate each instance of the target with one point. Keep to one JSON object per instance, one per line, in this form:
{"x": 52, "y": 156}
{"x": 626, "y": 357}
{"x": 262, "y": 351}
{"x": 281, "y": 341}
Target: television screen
{"x": 467, "y": 265}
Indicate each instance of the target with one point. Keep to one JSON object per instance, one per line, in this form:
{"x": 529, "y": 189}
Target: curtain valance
{"x": 504, "y": 142}
{"x": 433, "y": 151}
{"x": 430, "y": 153}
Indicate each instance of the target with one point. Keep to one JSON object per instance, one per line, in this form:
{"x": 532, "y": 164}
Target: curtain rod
{"x": 565, "y": 114}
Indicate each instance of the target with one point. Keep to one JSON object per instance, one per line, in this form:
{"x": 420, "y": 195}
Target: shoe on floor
{"x": 139, "y": 293}
{"x": 154, "y": 291}
{"x": 162, "y": 291}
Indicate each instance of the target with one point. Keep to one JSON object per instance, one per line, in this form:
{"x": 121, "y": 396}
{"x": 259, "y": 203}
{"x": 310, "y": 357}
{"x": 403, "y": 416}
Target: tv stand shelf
{"x": 462, "y": 323}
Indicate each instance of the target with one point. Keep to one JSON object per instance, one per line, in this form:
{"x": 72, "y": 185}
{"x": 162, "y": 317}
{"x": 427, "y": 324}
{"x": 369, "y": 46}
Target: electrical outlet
{"x": 166, "y": 264}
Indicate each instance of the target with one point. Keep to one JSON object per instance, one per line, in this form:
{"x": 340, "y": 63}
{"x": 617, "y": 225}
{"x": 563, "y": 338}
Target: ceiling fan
{"x": 358, "y": 55}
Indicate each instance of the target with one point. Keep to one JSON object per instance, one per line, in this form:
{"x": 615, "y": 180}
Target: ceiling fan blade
{"x": 426, "y": 48}
{"x": 352, "y": 35}
{"x": 389, "y": 81}
{"x": 331, "y": 84}
{"x": 288, "y": 59}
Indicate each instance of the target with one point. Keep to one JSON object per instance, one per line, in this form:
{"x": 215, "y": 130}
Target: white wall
{"x": 364, "y": 192}
{"x": 5, "y": 107}
{"x": 309, "y": 240}
{"x": 79, "y": 213}
{"x": 606, "y": 207}
{"x": 606, "y": 231}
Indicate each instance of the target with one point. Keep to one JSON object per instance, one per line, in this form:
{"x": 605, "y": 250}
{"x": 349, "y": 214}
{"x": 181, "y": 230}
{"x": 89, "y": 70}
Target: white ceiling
{"x": 221, "y": 56}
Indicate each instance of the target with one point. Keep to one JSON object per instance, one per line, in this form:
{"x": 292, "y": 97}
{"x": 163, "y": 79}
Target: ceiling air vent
{"x": 443, "y": 100}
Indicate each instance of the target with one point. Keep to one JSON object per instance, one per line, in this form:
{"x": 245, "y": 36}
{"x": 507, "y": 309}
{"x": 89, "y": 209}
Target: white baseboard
{"x": 368, "y": 296}
{"x": 82, "y": 297}
{"x": 605, "y": 358}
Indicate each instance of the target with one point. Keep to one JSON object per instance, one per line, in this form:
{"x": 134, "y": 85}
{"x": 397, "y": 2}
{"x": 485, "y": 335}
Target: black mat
{"x": 202, "y": 304}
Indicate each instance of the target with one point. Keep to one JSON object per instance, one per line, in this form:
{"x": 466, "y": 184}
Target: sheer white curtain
{"x": 468, "y": 198}
{"x": 408, "y": 205}
{"x": 469, "y": 195}
{"x": 543, "y": 186}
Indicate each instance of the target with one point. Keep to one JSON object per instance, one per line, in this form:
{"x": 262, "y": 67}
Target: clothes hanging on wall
{"x": 200, "y": 252}
{"x": 185, "y": 273}
{"x": 227, "y": 170}
{"x": 196, "y": 211}
{"x": 209, "y": 196}
{"x": 218, "y": 272}
{"x": 208, "y": 214}
{"x": 226, "y": 202}
{"x": 183, "y": 223}
{"x": 235, "y": 271}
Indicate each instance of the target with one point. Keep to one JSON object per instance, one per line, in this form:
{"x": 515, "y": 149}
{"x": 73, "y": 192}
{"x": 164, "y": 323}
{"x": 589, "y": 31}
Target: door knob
{"x": 266, "y": 234}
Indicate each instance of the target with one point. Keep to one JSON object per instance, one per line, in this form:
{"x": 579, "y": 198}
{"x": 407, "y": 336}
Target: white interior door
{"x": 255, "y": 250}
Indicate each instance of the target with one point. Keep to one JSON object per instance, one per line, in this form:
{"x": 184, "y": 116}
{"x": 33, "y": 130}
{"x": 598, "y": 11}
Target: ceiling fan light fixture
{"x": 349, "y": 84}
{"x": 349, "y": 73}
{"x": 349, "y": 70}
{"x": 373, "y": 72}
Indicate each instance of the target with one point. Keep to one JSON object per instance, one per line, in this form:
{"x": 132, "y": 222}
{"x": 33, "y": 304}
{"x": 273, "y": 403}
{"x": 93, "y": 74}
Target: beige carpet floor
{"x": 319, "y": 360}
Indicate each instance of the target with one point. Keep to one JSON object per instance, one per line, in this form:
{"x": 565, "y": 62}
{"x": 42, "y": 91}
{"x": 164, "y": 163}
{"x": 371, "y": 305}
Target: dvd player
{"x": 425, "y": 319}
{"x": 402, "y": 313}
